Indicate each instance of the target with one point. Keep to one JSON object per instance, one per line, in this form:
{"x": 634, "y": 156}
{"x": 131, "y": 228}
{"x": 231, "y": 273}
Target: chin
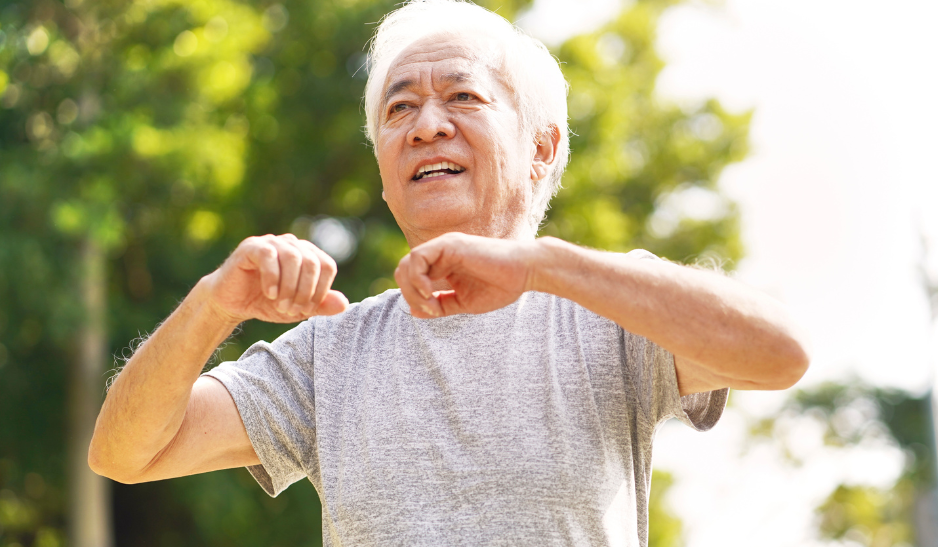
{"x": 441, "y": 211}
{"x": 443, "y": 221}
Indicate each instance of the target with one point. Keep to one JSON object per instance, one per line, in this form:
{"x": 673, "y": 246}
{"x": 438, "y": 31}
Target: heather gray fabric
{"x": 528, "y": 426}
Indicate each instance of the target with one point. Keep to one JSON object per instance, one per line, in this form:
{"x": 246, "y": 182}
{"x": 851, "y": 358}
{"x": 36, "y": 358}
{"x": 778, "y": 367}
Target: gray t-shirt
{"x": 531, "y": 425}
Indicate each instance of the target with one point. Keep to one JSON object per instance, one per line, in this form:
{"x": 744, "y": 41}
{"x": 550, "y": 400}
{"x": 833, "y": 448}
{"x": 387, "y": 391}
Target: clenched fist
{"x": 485, "y": 274}
{"x": 279, "y": 279}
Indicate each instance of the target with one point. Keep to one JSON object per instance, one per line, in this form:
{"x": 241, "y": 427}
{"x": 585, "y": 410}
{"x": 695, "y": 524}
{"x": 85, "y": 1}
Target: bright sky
{"x": 841, "y": 180}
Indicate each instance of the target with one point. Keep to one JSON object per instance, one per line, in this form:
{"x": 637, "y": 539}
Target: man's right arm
{"x": 161, "y": 420}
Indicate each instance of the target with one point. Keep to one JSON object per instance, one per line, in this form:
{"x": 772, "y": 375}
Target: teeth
{"x": 422, "y": 172}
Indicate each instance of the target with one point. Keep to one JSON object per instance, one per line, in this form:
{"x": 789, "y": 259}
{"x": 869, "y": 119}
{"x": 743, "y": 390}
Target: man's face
{"x": 450, "y": 148}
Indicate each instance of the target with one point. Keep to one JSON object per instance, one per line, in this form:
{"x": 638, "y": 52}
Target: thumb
{"x": 334, "y": 303}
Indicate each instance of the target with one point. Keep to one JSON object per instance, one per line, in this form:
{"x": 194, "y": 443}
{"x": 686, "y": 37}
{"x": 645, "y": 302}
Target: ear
{"x": 545, "y": 152}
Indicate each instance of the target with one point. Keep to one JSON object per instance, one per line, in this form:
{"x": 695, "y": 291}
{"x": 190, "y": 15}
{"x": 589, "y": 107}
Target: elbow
{"x": 96, "y": 458}
{"x": 103, "y": 464}
{"x": 798, "y": 357}
{"x": 789, "y": 364}
{"x": 98, "y": 462}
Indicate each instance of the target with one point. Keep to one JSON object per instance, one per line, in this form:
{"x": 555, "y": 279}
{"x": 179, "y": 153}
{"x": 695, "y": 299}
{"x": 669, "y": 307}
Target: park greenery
{"x": 141, "y": 140}
{"x": 853, "y": 415}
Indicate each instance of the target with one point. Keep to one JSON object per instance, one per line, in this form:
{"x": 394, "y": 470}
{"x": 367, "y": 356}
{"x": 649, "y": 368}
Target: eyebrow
{"x": 401, "y": 85}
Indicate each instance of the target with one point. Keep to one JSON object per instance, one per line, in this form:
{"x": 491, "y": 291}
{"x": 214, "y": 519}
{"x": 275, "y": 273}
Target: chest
{"x": 540, "y": 412}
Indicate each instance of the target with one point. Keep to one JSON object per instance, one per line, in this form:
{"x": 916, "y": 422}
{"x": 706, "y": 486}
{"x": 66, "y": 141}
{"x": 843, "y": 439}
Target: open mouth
{"x": 438, "y": 169}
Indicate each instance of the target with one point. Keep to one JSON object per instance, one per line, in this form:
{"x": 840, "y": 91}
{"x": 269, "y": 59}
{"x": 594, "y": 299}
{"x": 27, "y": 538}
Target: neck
{"x": 519, "y": 232}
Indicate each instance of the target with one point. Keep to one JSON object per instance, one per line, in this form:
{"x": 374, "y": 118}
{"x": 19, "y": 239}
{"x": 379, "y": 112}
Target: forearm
{"x": 732, "y": 331}
{"x": 147, "y": 402}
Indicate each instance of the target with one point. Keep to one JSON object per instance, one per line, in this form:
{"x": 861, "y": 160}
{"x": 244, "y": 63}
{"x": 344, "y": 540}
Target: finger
{"x": 290, "y": 259}
{"x": 418, "y": 272}
{"x": 307, "y": 280}
{"x": 419, "y": 306}
{"x": 432, "y": 261}
{"x": 333, "y": 303}
{"x": 262, "y": 256}
{"x": 449, "y": 303}
{"x": 442, "y": 256}
{"x": 327, "y": 273}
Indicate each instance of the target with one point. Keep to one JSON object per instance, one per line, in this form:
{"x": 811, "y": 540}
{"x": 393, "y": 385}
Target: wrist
{"x": 550, "y": 257}
{"x": 204, "y": 303}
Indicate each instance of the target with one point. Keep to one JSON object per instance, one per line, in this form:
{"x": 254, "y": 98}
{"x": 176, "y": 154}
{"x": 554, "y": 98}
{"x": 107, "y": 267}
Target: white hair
{"x": 528, "y": 67}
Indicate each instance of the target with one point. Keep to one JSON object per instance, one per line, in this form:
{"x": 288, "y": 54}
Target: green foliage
{"x": 222, "y": 508}
{"x": 84, "y": 135}
{"x": 855, "y": 414}
{"x": 30, "y": 511}
{"x": 634, "y": 158}
{"x": 853, "y": 410}
{"x": 127, "y": 124}
{"x": 870, "y": 516}
{"x": 169, "y": 130}
{"x": 664, "y": 529}
{"x": 509, "y": 9}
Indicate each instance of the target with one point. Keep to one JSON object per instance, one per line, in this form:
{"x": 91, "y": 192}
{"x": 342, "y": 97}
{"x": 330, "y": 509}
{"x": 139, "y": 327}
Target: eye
{"x": 399, "y": 107}
{"x": 464, "y": 96}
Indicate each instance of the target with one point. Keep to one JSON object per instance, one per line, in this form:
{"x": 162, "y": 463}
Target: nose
{"x": 431, "y": 123}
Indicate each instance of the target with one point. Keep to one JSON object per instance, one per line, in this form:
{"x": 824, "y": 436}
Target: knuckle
{"x": 250, "y": 244}
{"x": 264, "y": 252}
{"x": 290, "y": 255}
{"x": 309, "y": 262}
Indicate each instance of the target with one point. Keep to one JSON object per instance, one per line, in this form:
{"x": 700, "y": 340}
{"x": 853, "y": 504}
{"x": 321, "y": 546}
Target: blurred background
{"x": 791, "y": 141}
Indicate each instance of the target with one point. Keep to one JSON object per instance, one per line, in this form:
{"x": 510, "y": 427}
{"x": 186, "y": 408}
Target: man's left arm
{"x": 721, "y": 332}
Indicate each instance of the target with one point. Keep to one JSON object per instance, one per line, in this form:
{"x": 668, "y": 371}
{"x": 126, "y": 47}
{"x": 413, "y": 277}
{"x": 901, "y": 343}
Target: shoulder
{"x": 367, "y": 314}
{"x": 565, "y": 316}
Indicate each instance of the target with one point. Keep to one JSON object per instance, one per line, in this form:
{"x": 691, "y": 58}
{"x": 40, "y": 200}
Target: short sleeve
{"x": 272, "y": 386}
{"x": 655, "y": 382}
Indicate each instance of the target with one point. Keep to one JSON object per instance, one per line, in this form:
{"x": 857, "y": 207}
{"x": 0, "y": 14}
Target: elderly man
{"x": 509, "y": 392}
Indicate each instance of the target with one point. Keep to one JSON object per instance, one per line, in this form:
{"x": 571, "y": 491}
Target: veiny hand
{"x": 280, "y": 279}
{"x": 485, "y": 274}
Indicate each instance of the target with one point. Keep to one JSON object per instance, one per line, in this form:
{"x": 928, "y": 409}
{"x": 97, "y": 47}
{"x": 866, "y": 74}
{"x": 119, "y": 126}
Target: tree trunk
{"x": 89, "y": 505}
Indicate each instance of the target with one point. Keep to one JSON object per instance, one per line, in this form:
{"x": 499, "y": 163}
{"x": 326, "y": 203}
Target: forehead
{"x": 445, "y": 53}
